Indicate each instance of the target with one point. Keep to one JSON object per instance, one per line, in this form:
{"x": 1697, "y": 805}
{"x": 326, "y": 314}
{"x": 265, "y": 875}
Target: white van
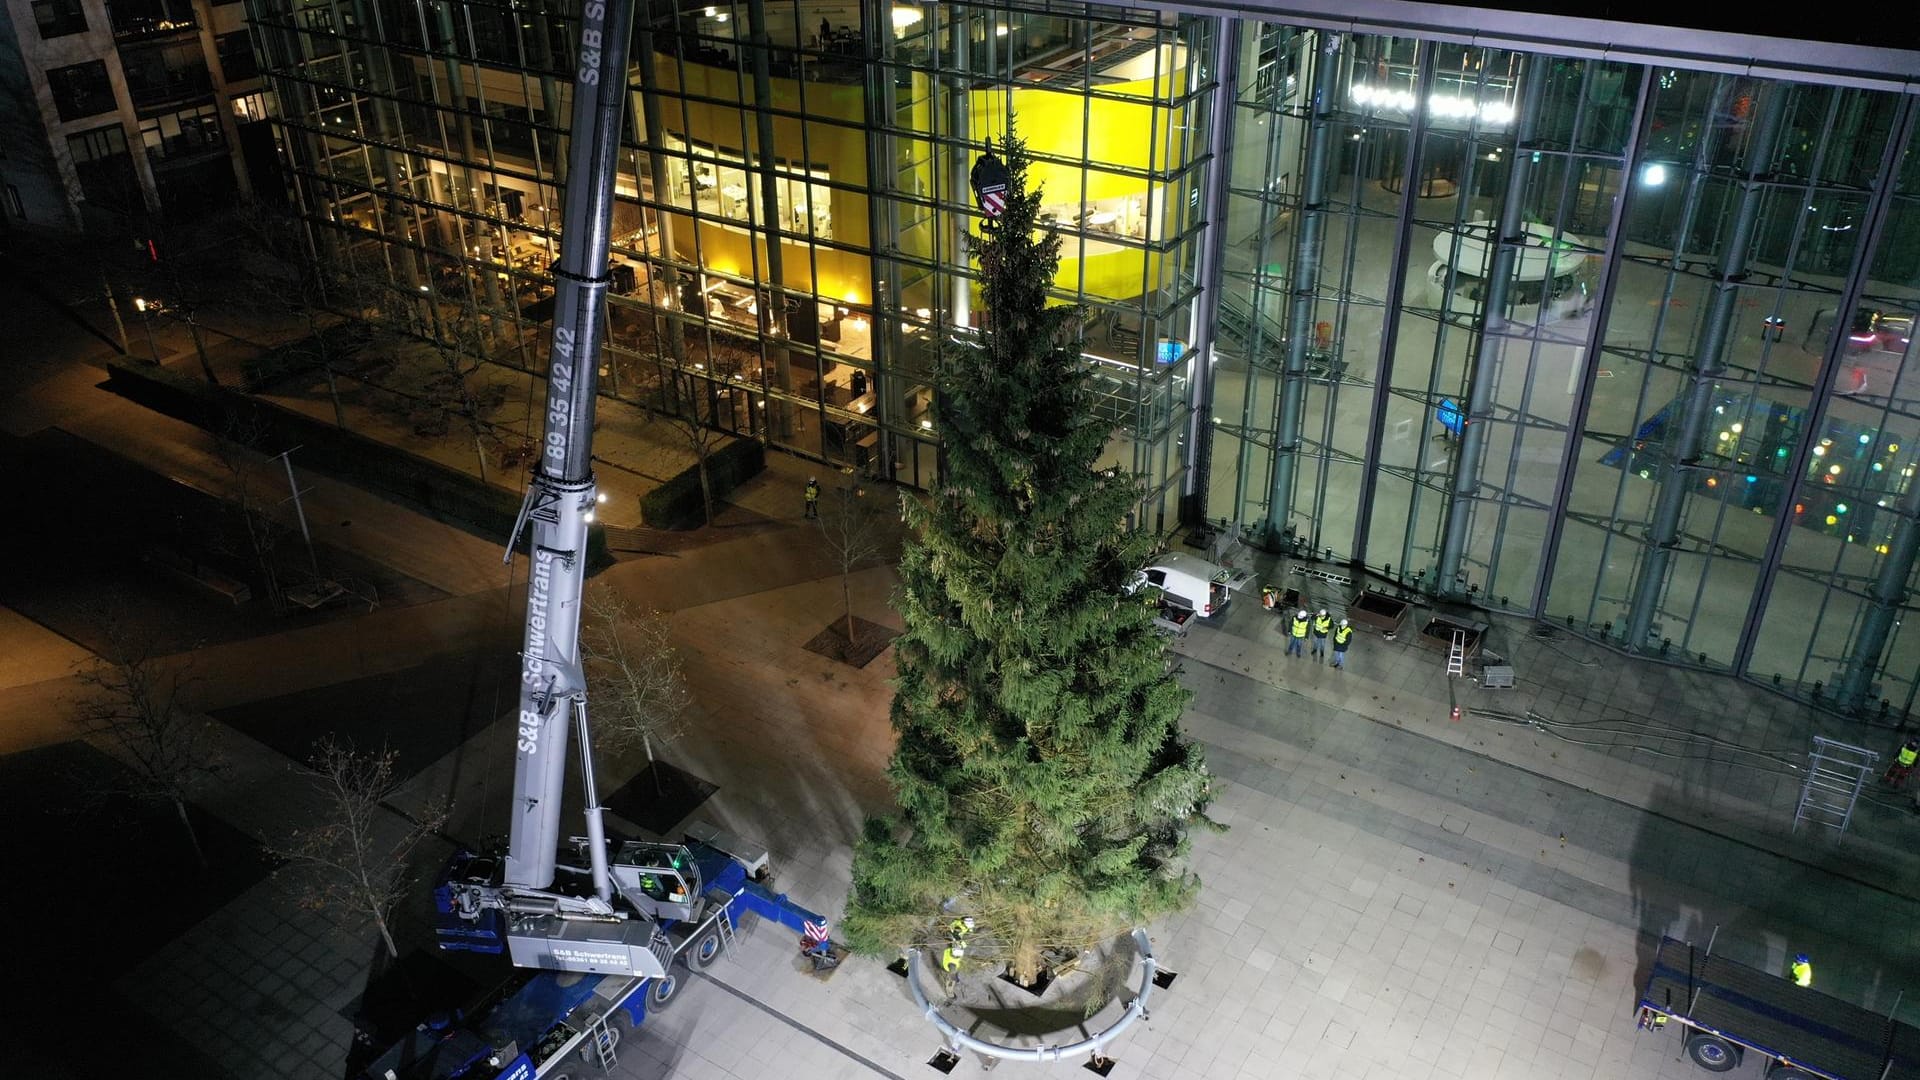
{"x": 1191, "y": 582}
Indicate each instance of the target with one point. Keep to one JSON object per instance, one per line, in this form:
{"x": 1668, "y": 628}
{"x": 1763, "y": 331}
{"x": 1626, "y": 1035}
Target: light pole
{"x": 146, "y": 308}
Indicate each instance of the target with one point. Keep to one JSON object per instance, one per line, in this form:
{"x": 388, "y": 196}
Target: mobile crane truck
{"x": 600, "y": 935}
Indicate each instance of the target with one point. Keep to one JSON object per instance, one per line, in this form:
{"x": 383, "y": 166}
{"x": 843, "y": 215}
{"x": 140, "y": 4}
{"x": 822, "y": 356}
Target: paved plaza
{"x": 1398, "y": 895}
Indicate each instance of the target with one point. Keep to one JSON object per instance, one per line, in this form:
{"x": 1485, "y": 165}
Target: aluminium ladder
{"x": 1836, "y": 772}
{"x": 1457, "y": 654}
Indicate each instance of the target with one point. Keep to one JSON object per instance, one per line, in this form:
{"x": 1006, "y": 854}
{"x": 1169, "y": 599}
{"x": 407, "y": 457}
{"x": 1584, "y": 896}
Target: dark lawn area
{"x": 98, "y": 884}
{"x": 123, "y": 511}
{"x": 421, "y": 713}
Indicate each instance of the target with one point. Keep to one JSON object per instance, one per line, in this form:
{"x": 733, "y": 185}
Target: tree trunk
{"x": 846, "y": 595}
{"x": 706, "y": 487}
{"x": 200, "y": 346}
{"x": 113, "y": 308}
{"x": 386, "y": 935}
{"x": 193, "y": 837}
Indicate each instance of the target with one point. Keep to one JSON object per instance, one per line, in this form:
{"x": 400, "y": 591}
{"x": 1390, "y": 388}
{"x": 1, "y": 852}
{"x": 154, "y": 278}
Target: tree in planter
{"x": 131, "y": 703}
{"x": 462, "y": 350}
{"x": 361, "y": 852}
{"x": 692, "y": 407}
{"x": 850, "y": 524}
{"x": 634, "y": 680}
{"x": 239, "y": 449}
{"x": 1043, "y": 784}
{"x": 339, "y": 300}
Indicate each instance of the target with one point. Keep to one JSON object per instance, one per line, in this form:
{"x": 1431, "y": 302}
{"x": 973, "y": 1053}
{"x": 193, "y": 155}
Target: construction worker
{"x": 950, "y": 959}
{"x": 1322, "y": 626}
{"x": 1297, "y": 634}
{"x": 959, "y": 929}
{"x": 1269, "y": 597}
{"x": 813, "y": 497}
{"x": 1342, "y": 635}
{"x": 1903, "y": 761}
{"x": 1802, "y": 969}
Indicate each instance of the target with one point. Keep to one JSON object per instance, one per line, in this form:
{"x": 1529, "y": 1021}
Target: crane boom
{"x": 562, "y": 495}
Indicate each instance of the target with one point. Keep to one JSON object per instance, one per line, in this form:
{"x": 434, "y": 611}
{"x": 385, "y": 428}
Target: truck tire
{"x": 704, "y": 951}
{"x": 591, "y": 1058}
{"x": 1780, "y": 1070}
{"x": 1712, "y": 1053}
{"x": 662, "y": 991}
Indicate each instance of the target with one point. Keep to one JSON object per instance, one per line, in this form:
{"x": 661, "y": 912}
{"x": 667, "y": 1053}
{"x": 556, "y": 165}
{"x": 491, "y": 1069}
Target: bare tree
{"x": 849, "y": 522}
{"x": 361, "y": 852}
{"x": 239, "y": 449}
{"x": 455, "y": 389}
{"x": 693, "y": 406}
{"x": 639, "y": 694}
{"x": 342, "y": 301}
{"x": 132, "y": 703}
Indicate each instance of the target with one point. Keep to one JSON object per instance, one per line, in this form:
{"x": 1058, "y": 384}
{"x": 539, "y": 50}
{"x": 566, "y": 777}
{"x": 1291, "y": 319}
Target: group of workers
{"x": 1320, "y": 627}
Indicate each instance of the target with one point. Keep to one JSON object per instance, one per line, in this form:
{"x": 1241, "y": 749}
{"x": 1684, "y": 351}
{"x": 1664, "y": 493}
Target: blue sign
{"x": 1450, "y": 417}
{"x": 1168, "y": 350}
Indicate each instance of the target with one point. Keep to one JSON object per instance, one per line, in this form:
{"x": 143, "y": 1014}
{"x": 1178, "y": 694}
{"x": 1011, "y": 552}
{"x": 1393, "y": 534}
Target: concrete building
{"x": 1607, "y": 323}
{"x": 112, "y": 112}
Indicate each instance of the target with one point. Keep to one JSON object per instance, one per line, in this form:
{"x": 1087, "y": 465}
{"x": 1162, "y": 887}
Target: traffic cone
{"x": 1456, "y": 714}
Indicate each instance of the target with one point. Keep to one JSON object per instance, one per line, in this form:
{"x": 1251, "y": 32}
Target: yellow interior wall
{"x": 843, "y": 150}
{"x": 1121, "y": 134}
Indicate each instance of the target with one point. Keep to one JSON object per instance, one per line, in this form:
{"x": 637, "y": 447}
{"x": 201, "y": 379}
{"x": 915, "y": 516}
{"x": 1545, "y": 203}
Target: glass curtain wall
{"x": 1589, "y": 340}
{"x": 770, "y": 143}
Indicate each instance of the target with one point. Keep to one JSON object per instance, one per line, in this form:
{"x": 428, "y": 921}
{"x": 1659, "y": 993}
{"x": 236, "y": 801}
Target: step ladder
{"x": 1457, "y": 654}
{"x": 1836, "y": 773}
{"x": 721, "y": 902}
{"x": 601, "y": 1041}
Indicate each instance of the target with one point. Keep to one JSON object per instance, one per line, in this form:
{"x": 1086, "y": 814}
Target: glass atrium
{"x": 1625, "y": 346}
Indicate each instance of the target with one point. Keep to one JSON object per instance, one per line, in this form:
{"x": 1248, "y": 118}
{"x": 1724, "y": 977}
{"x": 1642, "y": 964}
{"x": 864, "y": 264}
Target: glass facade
{"x": 1625, "y": 345}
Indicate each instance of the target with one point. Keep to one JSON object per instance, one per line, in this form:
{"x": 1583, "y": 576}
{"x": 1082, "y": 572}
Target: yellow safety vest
{"x": 1802, "y": 974}
{"x": 1342, "y": 636}
{"x": 958, "y": 929}
{"x": 1322, "y": 624}
{"x": 1908, "y": 756}
{"x": 948, "y": 961}
{"x": 1299, "y": 627}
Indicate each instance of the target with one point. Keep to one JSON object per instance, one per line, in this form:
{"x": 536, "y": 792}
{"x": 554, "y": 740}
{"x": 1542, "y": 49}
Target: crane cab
{"x": 661, "y": 881}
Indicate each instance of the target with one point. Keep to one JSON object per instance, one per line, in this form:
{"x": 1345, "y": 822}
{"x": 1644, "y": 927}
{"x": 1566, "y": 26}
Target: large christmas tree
{"x": 1043, "y": 785}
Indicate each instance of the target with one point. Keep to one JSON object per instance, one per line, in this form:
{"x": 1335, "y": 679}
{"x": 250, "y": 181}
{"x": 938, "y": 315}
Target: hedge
{"x": 421, "y": 484}
{"x": 677, "y": 504}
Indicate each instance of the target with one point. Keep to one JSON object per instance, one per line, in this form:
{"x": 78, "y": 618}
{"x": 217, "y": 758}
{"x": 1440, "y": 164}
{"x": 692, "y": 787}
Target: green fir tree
{"x": 1043, "y": 784}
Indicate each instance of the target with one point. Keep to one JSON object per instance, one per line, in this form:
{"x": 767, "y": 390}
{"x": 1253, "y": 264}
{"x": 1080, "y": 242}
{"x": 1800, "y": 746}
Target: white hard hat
{"x": 1323, "y": 611}
{"x": 959, "y": 950}
{"x": 1303, "y": 613}
{"x": 967, "y": 921}
{"x": 1343, "y": 622}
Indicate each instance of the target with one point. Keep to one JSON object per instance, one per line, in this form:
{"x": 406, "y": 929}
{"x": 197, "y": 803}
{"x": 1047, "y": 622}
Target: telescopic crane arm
{"x": 561, "y": 500}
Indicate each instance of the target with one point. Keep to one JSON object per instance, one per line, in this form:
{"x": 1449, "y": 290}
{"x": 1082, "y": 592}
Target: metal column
{"x": 960, "y": 188}
{"x": 1888, "y": 593}
{"x": 1874, "y": 225}
{"x": 1306, "y": 277}
{"x": 1493, "y": 336}
{"x": 1206, "y": 308}
{"x": 1663, "y": 534}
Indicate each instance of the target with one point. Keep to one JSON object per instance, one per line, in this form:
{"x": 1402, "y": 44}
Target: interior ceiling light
{"x": 904, "y": 16}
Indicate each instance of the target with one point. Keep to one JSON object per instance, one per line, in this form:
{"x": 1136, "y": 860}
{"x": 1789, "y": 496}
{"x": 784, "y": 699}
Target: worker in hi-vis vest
{"x": 1297, "y": 634}
{"x": 1322, "y": 626}
{"x": 1342, "y": 634}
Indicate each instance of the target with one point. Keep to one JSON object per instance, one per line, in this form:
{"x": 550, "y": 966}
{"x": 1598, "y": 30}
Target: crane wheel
{"x": 704, "y": 951}
{"x": 1712, "y": 1052}
{"x": 662, "y": 991}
